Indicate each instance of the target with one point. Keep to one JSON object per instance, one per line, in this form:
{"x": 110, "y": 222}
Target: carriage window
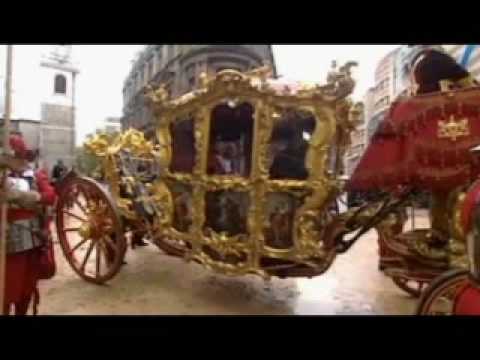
{"x": 231, "y": 136}
{"x": 289, "y": 144}
{"x": 226, "y": 211}
{"x": 183, "y": 146}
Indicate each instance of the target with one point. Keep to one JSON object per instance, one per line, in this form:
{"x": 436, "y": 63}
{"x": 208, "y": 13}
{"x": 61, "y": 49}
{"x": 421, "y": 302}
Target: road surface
{"x": 155, "y": 284}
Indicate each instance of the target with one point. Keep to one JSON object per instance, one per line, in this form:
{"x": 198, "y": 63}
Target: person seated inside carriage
{"x": 231, "y": 138}
{"x": 221, "y": 161}
{"x": 289, "y": 148}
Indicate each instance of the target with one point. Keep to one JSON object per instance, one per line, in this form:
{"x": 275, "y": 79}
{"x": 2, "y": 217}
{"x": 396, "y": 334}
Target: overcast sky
{"x": 103, "y": 69}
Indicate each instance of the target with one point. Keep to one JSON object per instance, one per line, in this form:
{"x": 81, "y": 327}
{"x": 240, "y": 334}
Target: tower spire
{"x": 61, "y": 53}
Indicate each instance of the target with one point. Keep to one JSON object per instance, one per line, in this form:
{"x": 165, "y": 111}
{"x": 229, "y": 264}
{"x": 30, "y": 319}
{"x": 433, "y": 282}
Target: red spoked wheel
{"x": 90, "y": 230}
{"x": 439, "y": 297}
{"x": 412, "y": 287}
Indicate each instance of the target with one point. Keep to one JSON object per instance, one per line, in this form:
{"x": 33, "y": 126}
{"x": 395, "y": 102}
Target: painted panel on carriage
{"x": 226, "y": 211}
{"x": 182, "y": 200}
{"x": 280, "y": 215}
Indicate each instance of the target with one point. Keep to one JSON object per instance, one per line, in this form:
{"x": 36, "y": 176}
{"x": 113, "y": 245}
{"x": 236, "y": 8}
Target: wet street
{"x": 155, "y": 284}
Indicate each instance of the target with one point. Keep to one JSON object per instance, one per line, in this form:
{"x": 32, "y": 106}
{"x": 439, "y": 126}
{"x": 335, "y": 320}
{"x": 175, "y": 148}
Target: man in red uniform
{"x": 25, "y": 228}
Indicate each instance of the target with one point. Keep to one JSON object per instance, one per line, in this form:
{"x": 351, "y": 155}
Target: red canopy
{"x": 425, "y": 142}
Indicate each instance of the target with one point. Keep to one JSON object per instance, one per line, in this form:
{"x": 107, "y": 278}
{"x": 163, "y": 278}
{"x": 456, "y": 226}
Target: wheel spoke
{"x": 87, "y": 255}
{"x": 75, "y": 216}
{"x": 80, "y": 206}
{"x": 111, "y": 249}
{"x": 105, "y": 252}
{"x": 81, "y": 189}
{"x": 97, "y": 263}
{"x": 106, "y": 239}
{"x": 88, "y": 195}
{"x": 83, "y": 241}
{"x": 86, "y": 209}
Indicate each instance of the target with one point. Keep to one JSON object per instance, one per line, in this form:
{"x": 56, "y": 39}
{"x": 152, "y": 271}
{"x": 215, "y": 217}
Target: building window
{"x": 135, "y": 82}
{"x": 150, "y": 70}
{"x": 190, "y": 76}
{"x": 159, "y": 58}
{"x": 168, "y": 88}
{"x": 60, "y": 84}
{"x": 191, "y": 82}
{"x": 170, "y": 52}
{"x": 142, "y": 77}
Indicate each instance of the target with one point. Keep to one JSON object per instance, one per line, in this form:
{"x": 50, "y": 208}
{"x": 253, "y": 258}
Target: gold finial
{"x": 203, "y": 79}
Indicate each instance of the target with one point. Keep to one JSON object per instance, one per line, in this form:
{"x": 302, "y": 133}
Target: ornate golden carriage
{"x": 241, "y": 178}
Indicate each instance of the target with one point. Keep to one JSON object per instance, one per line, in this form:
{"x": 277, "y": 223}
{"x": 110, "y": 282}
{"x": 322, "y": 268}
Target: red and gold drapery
{"x": 424, "y": 142}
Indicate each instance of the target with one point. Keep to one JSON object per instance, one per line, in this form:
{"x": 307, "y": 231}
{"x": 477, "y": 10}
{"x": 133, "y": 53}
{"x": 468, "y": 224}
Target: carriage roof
{"x": 254, "y": 84}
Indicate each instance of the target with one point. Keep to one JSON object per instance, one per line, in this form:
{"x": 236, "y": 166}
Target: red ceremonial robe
{"x": 21, "y": 268}
{"x": 423, "y": 142}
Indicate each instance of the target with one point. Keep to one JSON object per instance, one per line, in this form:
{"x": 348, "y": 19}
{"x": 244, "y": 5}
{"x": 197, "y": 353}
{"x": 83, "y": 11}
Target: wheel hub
{"x": 85, "y": 231}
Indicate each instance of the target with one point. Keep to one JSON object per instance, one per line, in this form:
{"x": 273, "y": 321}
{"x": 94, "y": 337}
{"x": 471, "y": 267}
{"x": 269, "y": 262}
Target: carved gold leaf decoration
{"x": 335, "y": 115}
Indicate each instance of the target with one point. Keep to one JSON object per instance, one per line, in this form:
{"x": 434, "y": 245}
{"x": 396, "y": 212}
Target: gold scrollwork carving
{"x": 133, "y": 143}
{"x": 335, "y": 117}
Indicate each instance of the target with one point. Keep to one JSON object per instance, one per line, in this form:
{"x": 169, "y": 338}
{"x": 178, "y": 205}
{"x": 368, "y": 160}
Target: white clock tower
{"x": 58, "y": 106}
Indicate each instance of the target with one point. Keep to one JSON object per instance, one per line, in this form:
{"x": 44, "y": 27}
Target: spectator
{"x": 59, "y": 171}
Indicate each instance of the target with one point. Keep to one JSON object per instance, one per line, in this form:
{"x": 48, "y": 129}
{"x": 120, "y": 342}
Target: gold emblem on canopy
{"x": 453, "y": 128}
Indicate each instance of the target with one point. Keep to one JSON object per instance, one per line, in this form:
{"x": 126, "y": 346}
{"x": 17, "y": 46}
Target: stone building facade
{"x": 359, "y": 135}
{"x": 110, "y": 125}
{"x": 44, "y": 101}
{"x": 178, "y": 67}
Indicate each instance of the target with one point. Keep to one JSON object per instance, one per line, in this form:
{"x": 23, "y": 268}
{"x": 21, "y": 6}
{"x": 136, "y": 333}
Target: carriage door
{"x": 228, "y": 168}
{"x": 287, "y": 186}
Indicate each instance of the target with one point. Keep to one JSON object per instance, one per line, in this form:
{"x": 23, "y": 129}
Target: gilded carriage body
{"x": 242, "y": 173}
